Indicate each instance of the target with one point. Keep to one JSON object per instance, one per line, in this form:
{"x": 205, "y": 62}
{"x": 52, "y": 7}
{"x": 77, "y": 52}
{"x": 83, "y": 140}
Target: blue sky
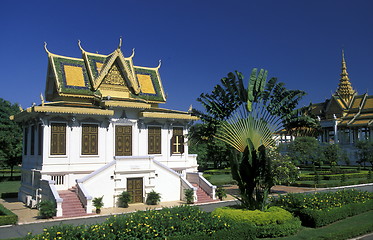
{"x": 199, "y": 42}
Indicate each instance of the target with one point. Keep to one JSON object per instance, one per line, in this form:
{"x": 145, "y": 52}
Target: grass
{"x": 219, "y": 179}
{"x": 9, "y": 186}
{"x": 348, "y": 228}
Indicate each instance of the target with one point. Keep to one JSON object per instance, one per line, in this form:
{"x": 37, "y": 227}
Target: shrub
{"x": 9, "y": 195}
{"x": 189, "y": 196}
{"x": 153, "y": 198}
{"x": 319, "y": 218}
{"x": 151, "y": 224}
{"x": 6, "y": 216}
{"x": 47, "y": 209}
{"x": 221, "y": 193}
{"x": 124, "y": 199}
{"x": 274, "y": 222}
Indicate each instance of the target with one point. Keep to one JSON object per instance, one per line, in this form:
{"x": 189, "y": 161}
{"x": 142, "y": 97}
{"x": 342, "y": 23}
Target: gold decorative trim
{"x": 125, "y": 104}
{"x": 75, "y": 110}
{"x": 167, "y": 115}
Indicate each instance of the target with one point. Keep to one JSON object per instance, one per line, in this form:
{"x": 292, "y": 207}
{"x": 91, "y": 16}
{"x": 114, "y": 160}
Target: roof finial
{"x": 120, "y": 42}
{"x": 80, "y": 46}
{"x": 45, "y": 47}
{"x": 345, "y": 90}
{"x": 42, "y": 99}
{"x": 159, "y": 64}
{"x": 133, "y": 53}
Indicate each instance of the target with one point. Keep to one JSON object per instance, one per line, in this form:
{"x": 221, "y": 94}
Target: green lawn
{"x": 351, "y": 227}
{"x": 9, "y": 186}
{"x": 219, "y": 179}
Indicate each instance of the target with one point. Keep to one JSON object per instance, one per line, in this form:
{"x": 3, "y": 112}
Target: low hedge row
{"x": 331, "y": 184}
{"x": 319, "y": 218}
{"x": 333, "y": 176}
{"x": 237, "y": 231}
{"x": 9, "y": 195}
{"x": 7, "y": 217}
{"x": 275, "y": 222}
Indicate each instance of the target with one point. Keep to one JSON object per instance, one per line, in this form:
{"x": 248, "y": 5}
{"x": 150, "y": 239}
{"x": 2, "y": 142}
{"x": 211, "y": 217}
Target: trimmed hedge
{"x": 319, "y": 218}
{"x": 7, "y": 217}
{"x": 9, "y": 195}
{"x": 331, "y": 176}
{"x": 275, "y": 222}
{"x": 236, "y": 232}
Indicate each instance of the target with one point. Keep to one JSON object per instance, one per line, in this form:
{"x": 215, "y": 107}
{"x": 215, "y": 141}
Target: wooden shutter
{"x": 58, "y": 139}
{"x": 154, "y": 140}
{"x": 89, "y": 139}
{"x": 177, "y": 141}
{"x": 123, "y": 141}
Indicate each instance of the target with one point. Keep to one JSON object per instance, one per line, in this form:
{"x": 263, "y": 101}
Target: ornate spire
{"x": 345, "y": 90}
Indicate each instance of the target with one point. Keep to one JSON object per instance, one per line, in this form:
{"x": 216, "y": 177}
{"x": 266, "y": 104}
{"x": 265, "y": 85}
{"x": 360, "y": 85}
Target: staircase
{"x": 71, "y": 205}
{"x": 202, "y": 196}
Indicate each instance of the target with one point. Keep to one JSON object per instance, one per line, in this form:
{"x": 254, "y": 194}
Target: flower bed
{"x": 152, "y": 224}
{"x": 320, "y": 209}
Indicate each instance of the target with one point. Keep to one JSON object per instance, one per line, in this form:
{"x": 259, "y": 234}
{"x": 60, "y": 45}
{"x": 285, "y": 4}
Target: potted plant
{"x": 189, "y": 196}
{"x": 220, "y": 193}
{"x": 153, "y": 198}
{"x": 98, "y": 204}
{"x": 124, "y": 199}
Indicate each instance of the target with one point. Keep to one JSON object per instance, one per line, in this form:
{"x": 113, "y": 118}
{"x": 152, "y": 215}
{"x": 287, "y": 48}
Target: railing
{"x": 50, "y": 193}
{"x": 84, "y": 197}
{"x": 197, "y": 178}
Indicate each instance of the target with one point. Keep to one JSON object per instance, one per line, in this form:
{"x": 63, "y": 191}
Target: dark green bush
{"x": 152, "y": 224}
{"x": 7, "y": 217}
{"x": 47, "y": 209}
{"x": 287, "y": 228}
{"x": 319, "y": 218}
{"x": 238, "y": 231}
{"x": 189, "y": 196}
{"x": 9, "y": 195}
{"x": 124, "y": 199}
{"x": 153, "y": 198}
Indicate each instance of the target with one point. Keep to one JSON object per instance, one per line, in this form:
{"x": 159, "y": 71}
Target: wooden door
{"x": 123, "y": 140}
{"x": 135, "y": 188}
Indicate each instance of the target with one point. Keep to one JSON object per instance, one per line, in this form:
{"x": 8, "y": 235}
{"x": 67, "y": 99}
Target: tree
{"x": 304, "y": 150}
{"x": 364, "y": 152}
{"x": 283, "y": 169}
{"x": 10, "y": 136}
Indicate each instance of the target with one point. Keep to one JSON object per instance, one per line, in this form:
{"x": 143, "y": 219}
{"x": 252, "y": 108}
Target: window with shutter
{"x": 154, "y": 140}
{"x": 89, "y": 139}
{"x": 58, "y": 139}
{"x": 123, "y": 141}
{"x": 177, "y": 141}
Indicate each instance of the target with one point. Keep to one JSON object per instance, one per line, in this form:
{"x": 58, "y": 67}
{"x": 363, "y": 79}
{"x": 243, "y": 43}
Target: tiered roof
{"x": 345, "y": 105}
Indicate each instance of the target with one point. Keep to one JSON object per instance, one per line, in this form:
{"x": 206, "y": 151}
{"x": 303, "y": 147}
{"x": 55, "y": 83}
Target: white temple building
{"x": 100, "y": 131}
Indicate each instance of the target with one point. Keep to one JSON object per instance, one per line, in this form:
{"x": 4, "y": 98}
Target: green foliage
{"x": 10, "y": 136}
{"x": 274, "y": 222}
{"x": 221, "y": 193}
{"x": 365, "y": 152}
{"x": 189, "y": 196}
{"x": 124, "y": 199}
{"x": 283, "y": 169}
{"x": 153, "y": 198}
{"x": 97, "y": 202}
{"x": 7, "y": 217}
{"x": 151, "y": 224}
{"x": 47, "y": 209}
{"x": 321, "y": 201}
{"x": 305, "y": 149}
{"x": 319, "y": 218}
